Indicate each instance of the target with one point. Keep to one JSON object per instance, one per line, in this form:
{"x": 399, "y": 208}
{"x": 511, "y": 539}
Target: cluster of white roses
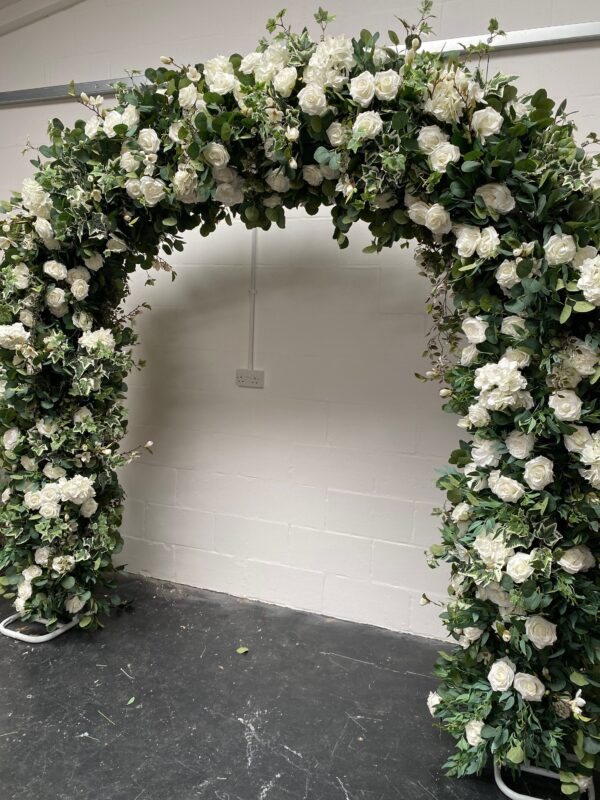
{"x": 61, "y": 565}
{"x": 78, "y": 490}
{"x": 77, "y": 278}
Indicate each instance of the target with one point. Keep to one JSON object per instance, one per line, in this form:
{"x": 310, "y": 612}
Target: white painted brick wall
{"x": 317, "y": 491}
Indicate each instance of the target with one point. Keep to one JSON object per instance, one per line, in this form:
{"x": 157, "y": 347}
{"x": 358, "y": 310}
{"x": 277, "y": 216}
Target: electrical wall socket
{"x": 250, "y": 378}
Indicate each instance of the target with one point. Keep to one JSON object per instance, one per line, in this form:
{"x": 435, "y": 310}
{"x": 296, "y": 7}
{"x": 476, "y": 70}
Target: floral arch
{"x": 505, "y": 207}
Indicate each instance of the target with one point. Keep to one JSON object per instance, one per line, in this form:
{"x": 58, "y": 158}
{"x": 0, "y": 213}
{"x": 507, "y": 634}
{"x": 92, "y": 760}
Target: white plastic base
{"x": 513, "y": 795}
{"x": 31, "y": 637}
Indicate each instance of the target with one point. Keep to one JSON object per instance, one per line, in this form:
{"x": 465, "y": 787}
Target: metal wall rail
{"x": 514, "y": 40}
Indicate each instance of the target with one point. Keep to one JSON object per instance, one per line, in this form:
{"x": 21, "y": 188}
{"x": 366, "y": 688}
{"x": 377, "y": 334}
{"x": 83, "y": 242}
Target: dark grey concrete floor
{"x": 318, "y": 709}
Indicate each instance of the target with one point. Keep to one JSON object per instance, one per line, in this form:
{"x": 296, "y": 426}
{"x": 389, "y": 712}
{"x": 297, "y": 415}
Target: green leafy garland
{"x": 504, "y": 204}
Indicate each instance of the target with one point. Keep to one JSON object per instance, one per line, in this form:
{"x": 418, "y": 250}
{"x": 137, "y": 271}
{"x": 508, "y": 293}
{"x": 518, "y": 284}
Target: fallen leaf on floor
{"x": 130, "y": 701}
{"x": 241, "y": 650}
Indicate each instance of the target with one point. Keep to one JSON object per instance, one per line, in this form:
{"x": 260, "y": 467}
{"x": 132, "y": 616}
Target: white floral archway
{"x": 504, "y": 205}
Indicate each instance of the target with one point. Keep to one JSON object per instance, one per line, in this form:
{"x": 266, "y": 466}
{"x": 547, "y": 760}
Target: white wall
{"x": 316, "y": 491}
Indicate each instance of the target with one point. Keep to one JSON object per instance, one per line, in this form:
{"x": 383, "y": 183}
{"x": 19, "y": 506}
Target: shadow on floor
{"x": 318, "y": 709}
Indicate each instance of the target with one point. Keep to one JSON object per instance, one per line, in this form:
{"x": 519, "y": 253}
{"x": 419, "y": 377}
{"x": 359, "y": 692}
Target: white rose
{"x": 130, "y": 116}
{"x": 485, "y": 452}
{"x": 312, "y": 100}
{"x": 24, "y": 590}
{"x": 63, "y": 564}
{"x": 566, "y": 405}
{"x": 81, "y": 414}
{"x": 32, "y": 499}
{"x": 312, "y": 175}
{"x": 42, "y": 556}
{"x": 80, "y": 289}
{"x": 28, "y": 463}
{"x": 187, "y": 97}
{"x": 478, "y": 415}
{"x": 49, "y": 510}
{"x": 88, "y": 508}
{"x": 387, "y": 84}
{"x": 430, "y": 137}
{"x": 506, "y": 274}
{"x": 46, "y": 427}
{"x": 229, "y": 194}
{"x": 467, "y": 239}
{"x": 417, "y": 211}
{"x": 362, "y": 89}
{"x": 153, "y": 190}
{"x": 367, "y": 125}
{"x": 92, "y": 126}
{"x": 529, "y": 687}
{"x": 216, "y": 154}
{"x": 77, "y": 273}
{"x": 133, "y": 187}
{"x": 35, "y": 199}
{"x": 90, "y": 340}
{"x": 43, "y": 228}
{"x": 514, "y": 326}
{"x": 53, "y": 472}
{"x": 518, "y": 567}
{"x": 473, "y": 732}
{"x": 55, "y": 270}
{"x": 474, "y": 329}
{"x": 445, "y": 102}
{"x": 278, "y": 181}
{"x": 74, "y": 604}
{"x": 494, "y": 593}
{"x": 31, "y": 573}
{"x": 82, "y": 320}
{"x": 577, "y": 559}
{"x": 486, "y": 122}
{"x": 468, "y": 355}
{"x": 519, "y": 444}
{"x": 94, "y": 262}
{"x": 56, "y": 302}
{"x": 560, "y": 249}
{"x": 583, "y": 254}
{"x": 10, "y": 438}
{"x": 185, "y": 185}
{"x": 496, "y": 196}
{"x": 507, "y": 489}
{"x": 469, "y": 635}
{"x": 501, "y": 675}
{"x": 335, "y": 134}
{"x": 128, "y": 162}
{"x": 149, "y": 140}
{"x": 222, "y": 83}
{"x": 517, "y": 357}
{"x": 285, "y": 81}
{"x": 589, "y": 282}
{"x": 433, "y": 701}
{"x": 540, "y": 631}
{"x": 272, "y": 201}
{"x": 576, "y": 441}
{"x": 438, "y": 220}
{"x": 461, "y": 512}
{"x": 492, "y": 549}
{"x": 443, "y": 155}
{"x": 21, "y": 276}
{"x": 539, "y": 472}
{"x": 292, "y": 133}
{"x": 488, "y": 243}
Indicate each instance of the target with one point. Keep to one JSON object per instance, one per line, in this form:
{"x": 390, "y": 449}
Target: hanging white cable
{"x": 252, "y": 292}
{"x": 251, "y": 378}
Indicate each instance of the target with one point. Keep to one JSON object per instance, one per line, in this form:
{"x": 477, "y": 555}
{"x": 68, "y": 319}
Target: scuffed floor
{"x": 160, "y": 706}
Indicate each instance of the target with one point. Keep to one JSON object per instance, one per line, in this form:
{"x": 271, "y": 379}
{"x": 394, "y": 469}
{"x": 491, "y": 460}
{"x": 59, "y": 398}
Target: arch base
{"x": 33, "y": 638}
{"x": 514, "y": 795}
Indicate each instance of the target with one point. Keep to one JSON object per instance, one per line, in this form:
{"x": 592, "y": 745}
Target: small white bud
{"x": 166, "y": 59}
